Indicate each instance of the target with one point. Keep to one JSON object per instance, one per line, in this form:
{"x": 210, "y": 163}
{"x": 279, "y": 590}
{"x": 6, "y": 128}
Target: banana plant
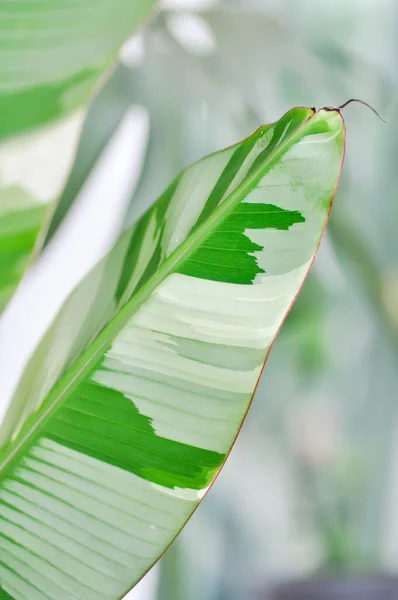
{"x": 52, "y": 57}
{"x": 129, "y": 406}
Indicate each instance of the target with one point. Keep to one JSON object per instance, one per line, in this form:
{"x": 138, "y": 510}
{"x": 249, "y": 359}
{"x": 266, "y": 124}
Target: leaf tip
{"x": 340, "y": 108}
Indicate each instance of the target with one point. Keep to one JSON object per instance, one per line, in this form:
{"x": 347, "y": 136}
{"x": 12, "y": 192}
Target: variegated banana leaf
{"x": 129, "y": 406}
{"x": 52, "y": 56}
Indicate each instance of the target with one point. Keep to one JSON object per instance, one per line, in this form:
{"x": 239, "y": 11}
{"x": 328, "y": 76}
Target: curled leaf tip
{"x": 339, "y": 108}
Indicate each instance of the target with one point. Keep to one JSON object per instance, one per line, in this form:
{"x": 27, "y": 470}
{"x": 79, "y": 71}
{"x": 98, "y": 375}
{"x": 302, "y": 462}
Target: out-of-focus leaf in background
{"x": 53, "y": 53}
{"x": 52, "y": 56}
{"x": 20, "y": 221}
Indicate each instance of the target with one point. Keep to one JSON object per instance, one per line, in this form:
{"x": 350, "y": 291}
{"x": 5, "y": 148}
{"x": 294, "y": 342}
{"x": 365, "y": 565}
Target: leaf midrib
{"x": 87, "y": 359}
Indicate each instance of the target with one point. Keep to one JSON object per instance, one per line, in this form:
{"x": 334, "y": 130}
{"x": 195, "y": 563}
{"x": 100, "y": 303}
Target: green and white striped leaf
{"x": 52, "y": 56}
{"x": 132, "y": 401}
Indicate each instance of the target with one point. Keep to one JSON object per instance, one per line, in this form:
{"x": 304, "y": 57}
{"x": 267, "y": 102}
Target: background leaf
{"x": 20, "y": 222}
{"x": 52, "y": 56}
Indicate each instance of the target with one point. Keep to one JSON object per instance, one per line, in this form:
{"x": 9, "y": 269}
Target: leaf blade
{"x": 171, "y": 377}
